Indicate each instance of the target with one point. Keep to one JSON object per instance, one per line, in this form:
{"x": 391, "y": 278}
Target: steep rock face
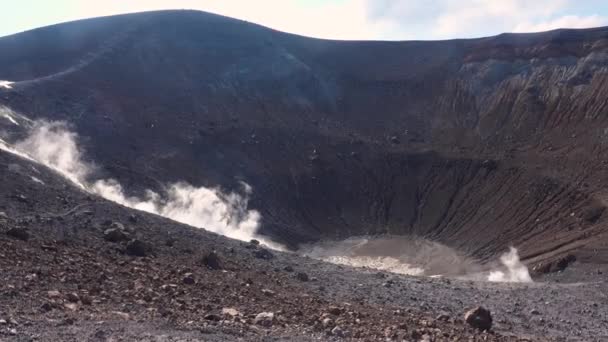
{"x": 476, "y": 143}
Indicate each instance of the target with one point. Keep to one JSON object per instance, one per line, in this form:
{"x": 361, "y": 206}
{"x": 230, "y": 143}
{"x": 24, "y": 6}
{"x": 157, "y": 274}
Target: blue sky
{"x": 339, "y": 19}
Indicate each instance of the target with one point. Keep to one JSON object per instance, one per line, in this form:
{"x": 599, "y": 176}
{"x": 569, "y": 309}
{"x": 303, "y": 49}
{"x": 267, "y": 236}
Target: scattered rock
{"x": 327, "y": 322}
{"x": 334, "y": 310}
{"x": 301, "y": 276}
{"x": 337, "y": 331}
{"x": 117, "y": 225}
{"x": 263, "y": 253}
{"x": 268, "y": 292}
{"x": 19, "y": 233}
{"x": 188, "y": 279}
{"x": 54, "y": 294}
{"x": 443, "y": 317}
{"x": 230, "y": 312}
{"x": 71, "y": 306}
{"x": 213, "y": 317}
{"x": 264, "y": 319}
{"x": 534, "y": 312}
{"x": 86, "y": 300}
{"x": 133, "y": 218}
{"x": 479, "y": 318}
{"x": 46, "y": 307}
{"x": 137, "y": 248}
{"x": 254, "y": 242}
{"x": 212, "y": 261}
{"x": 115, "y": 235}
{"x": 555, "y": 265}
{"x": 288, "y": 269}
{"x": 73, "y": 297}
{"x": 122, "y": 315}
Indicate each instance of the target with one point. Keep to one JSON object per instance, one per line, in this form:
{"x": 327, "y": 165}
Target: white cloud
{"x": 360, "y": 19}
{"x": 442, "y": 19}
{"x": 568, "y": 21}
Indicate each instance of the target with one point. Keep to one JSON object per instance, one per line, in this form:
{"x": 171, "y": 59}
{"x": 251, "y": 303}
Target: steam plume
{"x": 53, "y": 145}
{"x": 515, "y": 271}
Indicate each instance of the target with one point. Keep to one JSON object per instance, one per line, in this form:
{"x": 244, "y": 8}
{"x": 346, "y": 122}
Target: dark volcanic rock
{"x": 19, "y": 233}
{"x": 188, "y": 279}
{"x": 115, "y": 235}
{"x": 212, "y": 261}
{"x": 302, "y": 276}
{"x": 137, "y": 248}
{"x": 263, "y": 253}
{"x": 479, "y": 318}
{"x": 264, "y": 319}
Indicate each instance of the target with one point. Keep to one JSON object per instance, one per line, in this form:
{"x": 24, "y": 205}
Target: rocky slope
{"x": 71, "y": 272}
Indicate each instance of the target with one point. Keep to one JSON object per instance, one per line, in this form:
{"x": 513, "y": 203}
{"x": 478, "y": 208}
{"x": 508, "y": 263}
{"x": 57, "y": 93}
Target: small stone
{"x": 264, "y": 319}
{"x": 263, "y": 253}
{"x": 46, "y": 307}
{"x": 122, "y": 315}
{"x": 71, "y": 306}
{"x": 479, "y": 318}
{"x": 12, "y": 332}
{"x": 443, "y": 317}
{"x": 86, "y": 300}
{"x": 254, "y": 242}
{"x": 73, "y": 297}
{"x": 212, "y": 317}
{"x": 31, "y": 277}
{"x": 115, "y": 235}
{"x": 334, "y": 310}
{"x": 337, "y": 331}
{"x": 54, "y": 294}
{"x": 3, "y": 322}
{"x": 188, "y": 279}
{"x": 534, "y": 312}
{"x": 327, "y": 322}
{"x": 117, "y": 225}
{"x": 268, "y": 292}
{"x": 301, "y": 276}
{"x": 288, "y": 269}
{"x": 212, "y": 261}
{"x": 230, "y": 312}
{"x": 19, "y": 233}
{"x": 137, "y": 248}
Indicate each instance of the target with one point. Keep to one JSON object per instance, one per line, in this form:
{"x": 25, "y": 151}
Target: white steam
{"x": 413, "y": 255}
{"x": 6, "y": 84}
{"x": 53, "y": 145}
{"x": 515, "y": 271}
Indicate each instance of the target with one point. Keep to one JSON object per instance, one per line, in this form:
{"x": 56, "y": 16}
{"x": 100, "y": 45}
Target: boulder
{"x": 479, "y": 318}
{"x": 212, "y": 261}
{"x": 232, "y": 312}
{"x": 301, "y": 276}
{"x": 264, "y": 319}
{"x": 115, "y": 235}
{"x": 19, "y": 233}
{"x": 137, "y": 248}
{"x": 263, "y": 253}
{"x": 188, "y": 279}
{"x": 73, "y": 297}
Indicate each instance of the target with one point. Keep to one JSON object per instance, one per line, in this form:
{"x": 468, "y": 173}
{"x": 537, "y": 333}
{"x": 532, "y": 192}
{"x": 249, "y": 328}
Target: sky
{"x": 339, "y": 19}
